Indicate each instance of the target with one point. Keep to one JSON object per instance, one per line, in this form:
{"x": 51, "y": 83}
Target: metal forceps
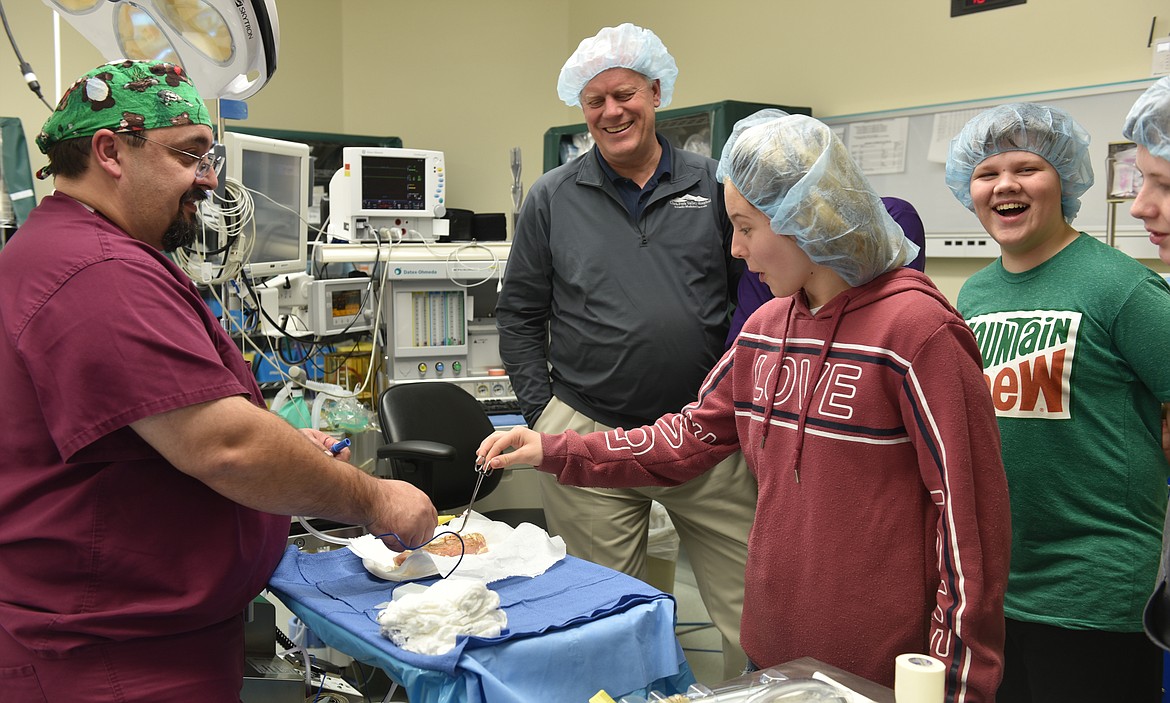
{"x": 482, "y": 471}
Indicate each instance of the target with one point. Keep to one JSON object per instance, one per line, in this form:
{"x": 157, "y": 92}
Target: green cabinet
{"x": 703, "y": 129}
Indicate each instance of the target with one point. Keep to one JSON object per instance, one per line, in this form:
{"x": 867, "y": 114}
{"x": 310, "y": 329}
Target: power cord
{"x": 283, "y": 640}
{"x": 25, "y": 68}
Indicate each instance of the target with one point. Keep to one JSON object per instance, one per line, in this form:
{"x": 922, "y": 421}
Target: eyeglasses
{"x": 208, "y": 162}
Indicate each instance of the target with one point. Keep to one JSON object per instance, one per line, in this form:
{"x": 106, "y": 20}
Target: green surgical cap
{"x": 125, "y": 96}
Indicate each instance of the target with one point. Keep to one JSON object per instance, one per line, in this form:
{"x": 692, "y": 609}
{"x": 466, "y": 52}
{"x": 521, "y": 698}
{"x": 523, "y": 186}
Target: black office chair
{"x": 432, "y": 430}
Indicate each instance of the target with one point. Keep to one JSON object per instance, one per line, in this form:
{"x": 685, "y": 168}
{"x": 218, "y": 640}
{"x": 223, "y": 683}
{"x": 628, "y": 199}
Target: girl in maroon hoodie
{"x": 857, "y": 397}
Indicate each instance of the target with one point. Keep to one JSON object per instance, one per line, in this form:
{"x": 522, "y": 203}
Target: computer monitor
{"x": 380, "y": 187}
{"x": 276, "y": 174}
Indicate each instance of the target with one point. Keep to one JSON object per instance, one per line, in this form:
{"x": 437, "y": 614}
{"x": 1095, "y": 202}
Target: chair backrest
{"x": 444, "y": 413}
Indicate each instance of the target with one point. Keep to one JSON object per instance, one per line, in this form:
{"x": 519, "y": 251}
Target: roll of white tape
{"x": 919, "y": 678}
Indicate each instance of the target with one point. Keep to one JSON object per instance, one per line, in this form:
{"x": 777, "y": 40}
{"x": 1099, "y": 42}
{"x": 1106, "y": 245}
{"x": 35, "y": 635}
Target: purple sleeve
{"x": 751, "y": 294}
{"x": 907, "y": 217}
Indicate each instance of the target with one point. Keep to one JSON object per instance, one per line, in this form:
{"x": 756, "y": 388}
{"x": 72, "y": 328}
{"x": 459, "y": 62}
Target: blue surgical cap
{"x": 798, "y": 173}
{"x": 1049, "y": 132}
{"x": 623, "y": 46}
{"x": 1148, "y": 122}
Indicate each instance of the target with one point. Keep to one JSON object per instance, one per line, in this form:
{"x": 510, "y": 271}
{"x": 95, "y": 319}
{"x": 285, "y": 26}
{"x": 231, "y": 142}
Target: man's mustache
{"x": 195, "y": 195}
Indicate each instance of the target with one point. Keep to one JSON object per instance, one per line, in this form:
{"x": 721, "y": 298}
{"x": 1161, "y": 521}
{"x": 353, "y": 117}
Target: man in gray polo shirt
{"x": 614, "y": 307}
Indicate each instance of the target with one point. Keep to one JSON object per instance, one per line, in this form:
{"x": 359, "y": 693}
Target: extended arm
{"x": 675, "y": 449}
{"x": 255, "y": 458}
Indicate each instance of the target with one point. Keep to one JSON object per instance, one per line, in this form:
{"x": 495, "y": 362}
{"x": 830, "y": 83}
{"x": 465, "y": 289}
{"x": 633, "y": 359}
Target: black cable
{"x": 287, "y": 345}
{"x": 249, "y": 288}
{"x": 25, "y": 68}
{"x": 343, "y": 362}
{"x": 213, "y": 252}
{"x": 360, "y": 673}
{"x": 283, "y": 640}
{"x": 406, "y": 547}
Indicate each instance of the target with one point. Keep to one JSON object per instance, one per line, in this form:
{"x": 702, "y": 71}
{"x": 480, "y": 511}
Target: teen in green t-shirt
{"x": 1069, "y": 330}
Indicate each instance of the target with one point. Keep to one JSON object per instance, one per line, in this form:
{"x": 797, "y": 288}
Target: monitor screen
{"x": 340, "y": 305}
{"x": 275, "y": 173}
{"x": 393, "y": 183}
{"x": 386, "y": 193}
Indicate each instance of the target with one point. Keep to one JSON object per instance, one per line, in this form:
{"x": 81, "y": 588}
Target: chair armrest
{"x": 417, "y": 449}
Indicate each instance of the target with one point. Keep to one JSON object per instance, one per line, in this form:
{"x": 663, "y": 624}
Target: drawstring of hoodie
{"x": 769, "y": 400}
{"x": 822, "y": 359}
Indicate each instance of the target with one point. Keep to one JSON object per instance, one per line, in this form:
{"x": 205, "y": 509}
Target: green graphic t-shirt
{"x": 1075, "y": 357}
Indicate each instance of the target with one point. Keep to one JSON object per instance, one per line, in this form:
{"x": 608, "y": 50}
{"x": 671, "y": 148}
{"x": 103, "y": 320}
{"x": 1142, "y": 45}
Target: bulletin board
{"x": 915, "y": 168}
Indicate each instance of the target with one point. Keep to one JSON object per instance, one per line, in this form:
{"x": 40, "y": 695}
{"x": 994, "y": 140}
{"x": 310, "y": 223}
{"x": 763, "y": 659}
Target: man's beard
{"x": 183, "y": 231}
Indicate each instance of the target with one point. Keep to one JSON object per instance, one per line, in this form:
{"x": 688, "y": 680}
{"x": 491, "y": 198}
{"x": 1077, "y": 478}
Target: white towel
{"x": 428, "y": 622}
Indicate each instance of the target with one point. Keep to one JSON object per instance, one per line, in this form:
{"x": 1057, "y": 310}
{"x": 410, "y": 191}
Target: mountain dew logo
{"x": 1027, "y": 360}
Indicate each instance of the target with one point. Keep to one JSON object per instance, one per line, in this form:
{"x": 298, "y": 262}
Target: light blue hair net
{"x": 1049, "y": 132}
{"x": 1148, "y": 122}
{"x": 765, "y": 115}
{"x": 623, "y": 46}
{"x": 798, "y": 173}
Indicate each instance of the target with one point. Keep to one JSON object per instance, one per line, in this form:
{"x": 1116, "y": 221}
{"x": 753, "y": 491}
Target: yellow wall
{"x": 849, "y": 56}
{"x": 471, "y": 78}
{"x": 476, "y": 78}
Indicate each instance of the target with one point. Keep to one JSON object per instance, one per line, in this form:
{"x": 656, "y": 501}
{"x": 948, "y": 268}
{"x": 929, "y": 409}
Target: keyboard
{"x": 500, "y": 406}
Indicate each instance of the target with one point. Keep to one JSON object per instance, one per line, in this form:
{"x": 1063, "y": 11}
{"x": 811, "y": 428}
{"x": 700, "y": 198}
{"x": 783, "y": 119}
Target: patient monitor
{"x": 387, "y": 194}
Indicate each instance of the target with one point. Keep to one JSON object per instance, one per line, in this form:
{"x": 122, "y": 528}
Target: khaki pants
{"x": 712, "y": 513}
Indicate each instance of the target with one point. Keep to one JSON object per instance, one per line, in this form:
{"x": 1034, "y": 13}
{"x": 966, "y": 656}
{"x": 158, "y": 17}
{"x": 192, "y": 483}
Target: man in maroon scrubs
{"x": 144, "y": 487}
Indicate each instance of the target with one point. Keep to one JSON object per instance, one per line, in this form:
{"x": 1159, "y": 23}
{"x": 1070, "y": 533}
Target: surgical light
{"x": 228, "y": 47}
